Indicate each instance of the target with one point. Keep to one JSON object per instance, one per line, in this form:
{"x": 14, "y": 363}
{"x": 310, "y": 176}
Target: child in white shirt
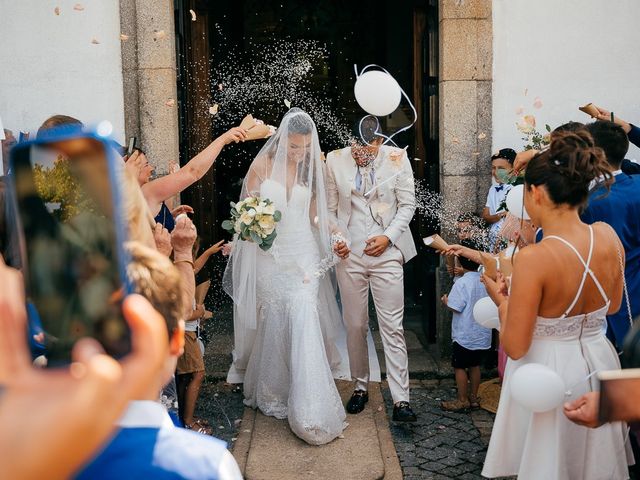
{"x": 493, "y": 213}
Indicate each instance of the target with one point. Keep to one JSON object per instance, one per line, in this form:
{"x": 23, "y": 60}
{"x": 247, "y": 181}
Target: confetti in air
{"x": 170, "y": 103}
{"x": 193, "y": 15}
{"x": 282, "y": 70}
{"x": 56, "y": 10}
{"x": 159, "y": 34}
{"x": 482, "y": 136}
{"x": 124, "y": 37}
{"x": 95, "y": 41}
{"x": 78, "y": 7}
{"x": 537, "y": 103}
{"x": 214, "y": 109}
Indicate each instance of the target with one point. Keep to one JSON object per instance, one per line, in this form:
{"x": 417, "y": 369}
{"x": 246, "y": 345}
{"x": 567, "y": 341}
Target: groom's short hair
{"x": 364, "y": 130}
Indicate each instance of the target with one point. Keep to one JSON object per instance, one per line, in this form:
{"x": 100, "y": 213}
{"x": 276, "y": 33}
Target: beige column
{"x": 466, "y": 61}
{"x": 149, "y": 75}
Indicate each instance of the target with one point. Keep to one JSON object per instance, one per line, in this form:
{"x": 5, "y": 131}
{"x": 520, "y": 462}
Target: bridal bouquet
{"x": 254, "y": 220}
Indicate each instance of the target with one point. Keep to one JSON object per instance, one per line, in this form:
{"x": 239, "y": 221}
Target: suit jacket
{"x": 396, "y": 198}
{"x": 620, "y": 208}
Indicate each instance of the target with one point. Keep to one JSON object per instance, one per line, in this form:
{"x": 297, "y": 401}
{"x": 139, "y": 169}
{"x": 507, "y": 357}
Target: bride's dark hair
{"x": 567, "y": 168}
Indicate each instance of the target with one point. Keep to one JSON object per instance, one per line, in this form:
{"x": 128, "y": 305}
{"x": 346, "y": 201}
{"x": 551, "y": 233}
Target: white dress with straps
{"x": 547, "y": 445}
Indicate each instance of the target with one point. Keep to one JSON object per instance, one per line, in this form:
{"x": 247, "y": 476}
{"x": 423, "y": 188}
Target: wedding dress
{"x": 286, "y": 318}
{"x": 289, "y": 375}
{"x": 547, "y": 445}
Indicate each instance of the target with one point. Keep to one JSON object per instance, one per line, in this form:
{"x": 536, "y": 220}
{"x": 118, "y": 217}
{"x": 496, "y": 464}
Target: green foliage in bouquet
{"x": 254, "y": 220}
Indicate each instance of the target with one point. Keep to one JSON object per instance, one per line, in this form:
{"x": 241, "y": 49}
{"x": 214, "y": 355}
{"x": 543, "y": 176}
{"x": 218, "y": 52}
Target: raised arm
{"x": 183, "y": 237}
{"x": 162, "y": 188}
{"x": 202, "y": 260}
{"x": 406, "y": 198}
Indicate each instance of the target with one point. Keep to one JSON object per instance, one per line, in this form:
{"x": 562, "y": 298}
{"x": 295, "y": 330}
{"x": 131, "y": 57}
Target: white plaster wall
{"x": 49, "y": 65}
{"x": 568, "y": 53}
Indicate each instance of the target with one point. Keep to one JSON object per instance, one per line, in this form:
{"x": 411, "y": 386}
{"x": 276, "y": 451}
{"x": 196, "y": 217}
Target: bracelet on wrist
{"x": 190, "y": 262}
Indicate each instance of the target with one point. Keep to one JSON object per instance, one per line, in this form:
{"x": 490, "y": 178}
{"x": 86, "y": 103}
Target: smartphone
{"x": 65, "y": 193}
{"x": 132, "y": 146}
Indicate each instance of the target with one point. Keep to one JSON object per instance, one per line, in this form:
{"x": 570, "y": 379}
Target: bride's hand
{"x": 341, "y": 249}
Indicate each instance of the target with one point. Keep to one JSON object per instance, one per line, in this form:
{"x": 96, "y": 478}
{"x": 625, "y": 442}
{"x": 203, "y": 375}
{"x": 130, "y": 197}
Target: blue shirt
{"x": 165, "y": 218}
{"x": 149, "y": 446}
{"x": 462, "y": 298}
{"x": 621, "y": 209}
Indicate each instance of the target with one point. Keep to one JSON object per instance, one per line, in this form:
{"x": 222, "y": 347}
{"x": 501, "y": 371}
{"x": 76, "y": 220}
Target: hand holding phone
{"x": 72, "y": 231}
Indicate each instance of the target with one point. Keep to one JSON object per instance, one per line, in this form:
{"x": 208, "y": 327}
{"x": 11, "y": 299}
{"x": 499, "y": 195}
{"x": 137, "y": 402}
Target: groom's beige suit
{"x": 386, "y": 210}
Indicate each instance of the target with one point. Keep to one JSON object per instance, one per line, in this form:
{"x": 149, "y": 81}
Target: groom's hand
{"x": 377, "y": 245}
{"x": 341, "y": 249}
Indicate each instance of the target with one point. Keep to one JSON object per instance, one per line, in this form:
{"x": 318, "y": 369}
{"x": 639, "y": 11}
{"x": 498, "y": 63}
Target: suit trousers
{"x": 385, "y": 276}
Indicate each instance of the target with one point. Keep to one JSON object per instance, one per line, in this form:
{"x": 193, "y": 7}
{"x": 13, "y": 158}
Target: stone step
{"x": 266, "y": 449}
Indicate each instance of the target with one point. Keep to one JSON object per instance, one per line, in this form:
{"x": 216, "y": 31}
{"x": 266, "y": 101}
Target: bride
{"x": 285, "y": 314}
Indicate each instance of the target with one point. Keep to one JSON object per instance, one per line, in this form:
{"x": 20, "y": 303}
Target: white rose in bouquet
{"x": 254, "y": 220}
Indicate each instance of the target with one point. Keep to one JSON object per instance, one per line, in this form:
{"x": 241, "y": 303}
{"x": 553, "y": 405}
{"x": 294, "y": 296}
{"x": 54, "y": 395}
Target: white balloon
{"x": 485, "y": 312}
{"x": 377, "y": 93}
{"x": 515, "y": 202}
{"x": 537, "y": 387}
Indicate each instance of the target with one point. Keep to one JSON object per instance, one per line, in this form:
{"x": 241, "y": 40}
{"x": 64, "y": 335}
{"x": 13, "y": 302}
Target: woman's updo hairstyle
{"x": 567, "y": 167}
{"x": 299, "y": 122}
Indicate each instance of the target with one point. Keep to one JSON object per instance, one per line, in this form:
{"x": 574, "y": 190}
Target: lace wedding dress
{"x": 286, "y": 319}
{"x": 547, "y": 445}
{"x": 288, "y": 375}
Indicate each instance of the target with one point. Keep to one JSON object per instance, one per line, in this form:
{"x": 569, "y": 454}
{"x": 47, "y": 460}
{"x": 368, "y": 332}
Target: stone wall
{"x": 466, "y": 64}
{"x": 149, "y": 78}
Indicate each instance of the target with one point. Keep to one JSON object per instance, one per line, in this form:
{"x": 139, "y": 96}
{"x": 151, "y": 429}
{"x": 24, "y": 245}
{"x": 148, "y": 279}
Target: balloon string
{"x": 569, "y": 390}
{"x": 413, "y": 108}
{"x": 382, "y": 183}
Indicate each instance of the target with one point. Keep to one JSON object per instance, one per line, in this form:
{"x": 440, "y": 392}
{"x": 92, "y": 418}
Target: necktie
{"x": 365, "y": 178}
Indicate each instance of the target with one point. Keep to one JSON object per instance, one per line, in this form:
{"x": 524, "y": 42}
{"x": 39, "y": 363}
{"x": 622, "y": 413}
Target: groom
{"x": 370, "y": 190}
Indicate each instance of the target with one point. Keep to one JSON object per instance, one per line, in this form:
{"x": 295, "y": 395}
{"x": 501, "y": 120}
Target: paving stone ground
{"x": 440, "y": 445}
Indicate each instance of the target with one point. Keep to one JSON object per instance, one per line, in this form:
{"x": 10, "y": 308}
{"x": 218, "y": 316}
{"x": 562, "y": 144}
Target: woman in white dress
{"x": 555, "y": 314}
{"x": 285, "y": 313}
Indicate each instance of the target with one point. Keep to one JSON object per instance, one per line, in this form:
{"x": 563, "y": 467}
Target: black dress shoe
{"x": 357, "y": 401}
{"x": 402, "y": 413}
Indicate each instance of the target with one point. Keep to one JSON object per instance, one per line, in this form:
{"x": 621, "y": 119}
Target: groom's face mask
{"x": 364, "y": 154}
